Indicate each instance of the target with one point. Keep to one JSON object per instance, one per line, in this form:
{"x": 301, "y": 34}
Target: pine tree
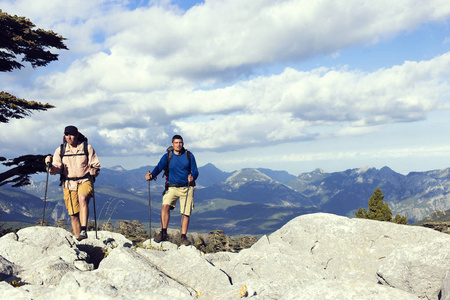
{"x": 379, "y": 210}
{"x": 361, "y": 213}
{"x": 19, "y": 39}
{"x": 400, "y": 220}
{"x": 12, "y": 107}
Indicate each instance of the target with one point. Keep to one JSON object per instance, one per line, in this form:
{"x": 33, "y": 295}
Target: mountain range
{"x": 247, "y": 201}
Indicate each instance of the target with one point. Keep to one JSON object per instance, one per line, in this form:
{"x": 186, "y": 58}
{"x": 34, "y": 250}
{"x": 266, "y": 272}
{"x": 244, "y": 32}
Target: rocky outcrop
{"x": 316, "y": 256}
{"x": 323, "y": 248}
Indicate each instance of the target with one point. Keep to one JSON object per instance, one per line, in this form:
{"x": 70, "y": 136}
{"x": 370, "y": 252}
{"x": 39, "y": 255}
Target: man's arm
{"x": 158, "y": 168}
{"x": 56, "y": 166}
{"x": 194, "y": 169}
{"x": 94, "y": 163}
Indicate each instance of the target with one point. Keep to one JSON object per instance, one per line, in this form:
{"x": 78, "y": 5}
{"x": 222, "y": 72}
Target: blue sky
{"x": 287, "y": 85}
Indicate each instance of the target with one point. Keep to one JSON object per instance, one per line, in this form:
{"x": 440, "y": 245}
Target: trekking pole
{"x": 45, "y": 197}
{"x": 91, "y": 178}
{"x": 185, "y": 202}
{"x": 149, "y": 211}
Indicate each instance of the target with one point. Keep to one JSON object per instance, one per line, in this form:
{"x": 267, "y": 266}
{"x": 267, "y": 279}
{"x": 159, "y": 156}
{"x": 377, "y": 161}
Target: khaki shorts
{"x": 71, "y": 199}
{"x": 175, "y": 193}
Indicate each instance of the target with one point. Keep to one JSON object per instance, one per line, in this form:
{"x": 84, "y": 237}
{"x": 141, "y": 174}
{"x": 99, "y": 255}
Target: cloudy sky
{"x": 289, "y": 84}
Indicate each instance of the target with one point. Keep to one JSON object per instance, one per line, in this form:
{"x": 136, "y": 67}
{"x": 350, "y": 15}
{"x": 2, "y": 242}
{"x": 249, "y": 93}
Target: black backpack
{"x": 62, "y": 153}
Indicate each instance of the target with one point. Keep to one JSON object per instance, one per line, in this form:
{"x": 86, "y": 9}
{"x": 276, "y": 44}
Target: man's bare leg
{"x": 184, "y": 224}
{"x": 165, "y": 216}
{"x": 84, "y": 209}
{"x": 76, "y": 227}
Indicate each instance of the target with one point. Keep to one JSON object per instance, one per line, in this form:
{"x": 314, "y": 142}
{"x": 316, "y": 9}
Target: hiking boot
{"x": 82, "y": 236}
{"x": 161, "y": 237}
{"x": 184, "y": 241}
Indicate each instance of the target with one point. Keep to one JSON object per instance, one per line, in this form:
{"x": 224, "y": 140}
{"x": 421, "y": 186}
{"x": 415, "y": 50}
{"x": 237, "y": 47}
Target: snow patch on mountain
{"x": 244, "y": 176}
{"x": 363, "y": 170}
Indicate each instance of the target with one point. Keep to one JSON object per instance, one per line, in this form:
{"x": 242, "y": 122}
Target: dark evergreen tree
{"x": 24, "y": 166}
{"x": 19, "y": 39}
{"x": 400, "y": 220}
{"x": 12, "y": 107}
{"x": 361, "y": 213}
{"x": 379, "y": 210}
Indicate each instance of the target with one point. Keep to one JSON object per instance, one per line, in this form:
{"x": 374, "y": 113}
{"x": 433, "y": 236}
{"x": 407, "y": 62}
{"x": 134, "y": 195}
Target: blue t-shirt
{"x": 178, "y": 168}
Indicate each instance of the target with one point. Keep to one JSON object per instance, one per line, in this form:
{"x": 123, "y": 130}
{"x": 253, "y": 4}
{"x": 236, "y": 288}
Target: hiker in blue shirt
{"x": 181, "y": 172}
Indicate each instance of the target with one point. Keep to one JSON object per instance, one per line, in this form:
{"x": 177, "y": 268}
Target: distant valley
{"x": 248, "y": 201}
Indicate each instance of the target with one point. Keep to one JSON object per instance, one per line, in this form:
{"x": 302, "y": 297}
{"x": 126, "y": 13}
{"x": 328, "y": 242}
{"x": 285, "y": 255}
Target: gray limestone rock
{"x": 316, "y": 247}
{"x": 189, "y": 266}
{"x": 42, "y": 255}
{"x": 418, "y": 269}
{"x": 317, "y": 256}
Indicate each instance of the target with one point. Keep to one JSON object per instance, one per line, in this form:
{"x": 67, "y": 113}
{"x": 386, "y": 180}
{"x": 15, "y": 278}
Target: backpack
{"x": 62, "y": 153}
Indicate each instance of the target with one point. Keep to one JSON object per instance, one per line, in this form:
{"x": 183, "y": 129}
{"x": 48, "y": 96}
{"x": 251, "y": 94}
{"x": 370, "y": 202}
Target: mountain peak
{"x": 116, "y": 168}
{"x": 245, "y": 175}
{"x": 363, "y": 169}
{"x": 210, "y": 166}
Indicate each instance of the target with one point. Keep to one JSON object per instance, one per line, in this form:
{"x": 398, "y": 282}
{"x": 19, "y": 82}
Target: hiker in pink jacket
{"x": 78, "y": 165}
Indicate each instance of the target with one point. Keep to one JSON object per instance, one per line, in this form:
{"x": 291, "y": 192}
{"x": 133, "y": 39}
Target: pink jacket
{"x": 75, "y": 166}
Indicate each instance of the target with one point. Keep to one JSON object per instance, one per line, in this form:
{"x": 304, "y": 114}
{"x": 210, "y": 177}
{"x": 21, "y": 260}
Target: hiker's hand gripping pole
{"x": 149, "y": 176}
{"x": 190, "y": 179}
